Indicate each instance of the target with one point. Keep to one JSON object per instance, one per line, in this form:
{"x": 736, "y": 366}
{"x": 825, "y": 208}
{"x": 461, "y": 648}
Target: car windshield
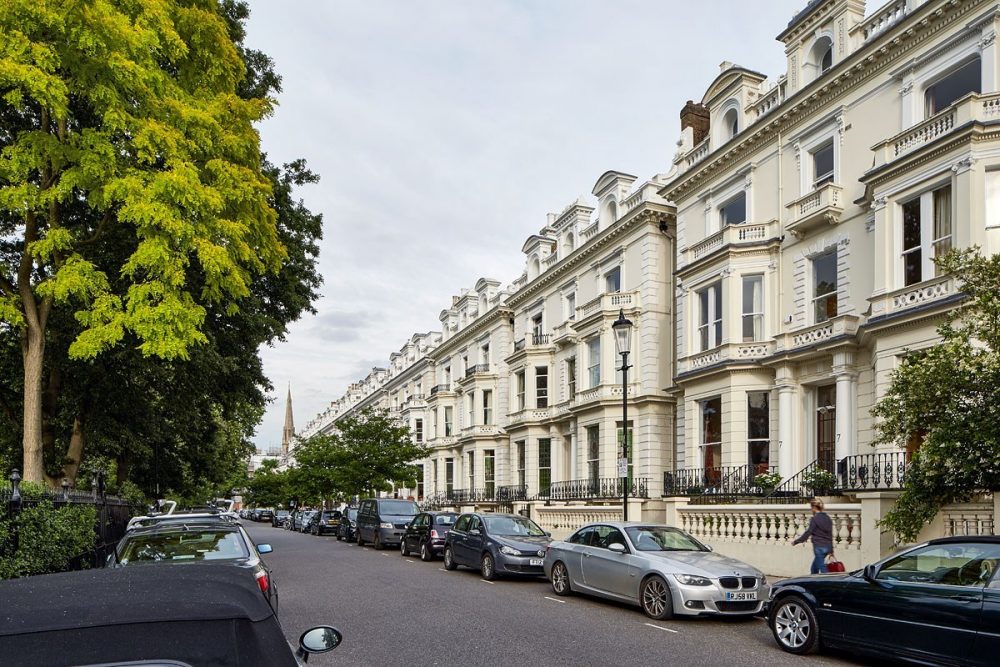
{"x": 331, "y": 515}
{"x": 445, "y": 520}
{"x": 508, "y": 525}
{"x": 282, "y": 512}
{"x": 352, "y": 514}
{"x": 179, "y": 546}
{"x": 655, "y": 538}
{"x": 398, "y": 508}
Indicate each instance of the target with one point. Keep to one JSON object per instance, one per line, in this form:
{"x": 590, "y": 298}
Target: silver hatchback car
{"x": 662, "y": 569}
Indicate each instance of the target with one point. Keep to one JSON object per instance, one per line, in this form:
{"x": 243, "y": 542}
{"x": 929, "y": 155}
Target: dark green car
{"x": 936, "y": 603}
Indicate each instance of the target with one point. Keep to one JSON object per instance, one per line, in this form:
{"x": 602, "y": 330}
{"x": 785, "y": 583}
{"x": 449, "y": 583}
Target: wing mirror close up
{"x": 320, "y": 639}
{"x": 869, "y": 573}
{"x": 617, "y": 548}
{"x": 264, "y": 548}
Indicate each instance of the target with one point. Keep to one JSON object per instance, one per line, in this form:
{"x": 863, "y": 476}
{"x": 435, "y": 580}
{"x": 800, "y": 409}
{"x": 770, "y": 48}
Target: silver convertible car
{"x": 662, "y": 569}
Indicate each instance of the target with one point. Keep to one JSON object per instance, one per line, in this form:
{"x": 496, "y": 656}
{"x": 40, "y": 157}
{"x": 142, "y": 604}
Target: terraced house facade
{"x": 776, "y": 275}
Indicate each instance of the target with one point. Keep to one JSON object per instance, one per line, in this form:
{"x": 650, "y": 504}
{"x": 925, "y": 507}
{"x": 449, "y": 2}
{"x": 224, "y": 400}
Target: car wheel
{"x": 402, "y": 548}
{"x": 425, "y": 552}
{"x": 360, "y": 542}
{"x": 449, "y": 560}
{"x": 488, "y": 568}
{"x": 560, "y": 579}
{"x": 794, "y": 626}
{"x": 377, "y": 542}
{"x": 654, "y": 596}
{"x": 339, "y": 536}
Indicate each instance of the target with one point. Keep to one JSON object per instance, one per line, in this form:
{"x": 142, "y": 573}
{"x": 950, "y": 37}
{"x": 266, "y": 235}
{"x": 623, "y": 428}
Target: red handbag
{"x": 834, "y": 565}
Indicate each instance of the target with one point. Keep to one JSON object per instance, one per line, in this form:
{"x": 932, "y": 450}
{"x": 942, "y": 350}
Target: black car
{"x": 426, "y": 534}
{"x": 265, "y": 515}
{"x": 225, "y": 545}
{"x": 327, "y": 521}
{"x": 279, "y": 518}
{"x": 195, "y": 615}
{"x": 348, "y": 529}
{"x": 937, "y": 603}
{"x": 496, "y": 544}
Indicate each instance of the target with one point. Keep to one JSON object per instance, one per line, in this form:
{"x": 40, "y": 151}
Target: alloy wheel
{"x": 560, "y": 579}
{"x": 791, "y": 625}
{"x": 488, "y": 569}
{"x": 402, "y": 548}
{"x": 655, "y": 599}
{"x": 449, "y": 559}
{"x": 425, "y": 553}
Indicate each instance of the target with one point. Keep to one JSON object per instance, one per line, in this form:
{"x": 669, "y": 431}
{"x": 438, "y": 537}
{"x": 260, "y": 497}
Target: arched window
{"x": 731, "y": 123}
{"x": 568, "y": 243}
{"x": 534, "y": 267}
{"x": 820, "y": 56}
{"x": 827, "y": 61}
{"x": 609, "y": 212}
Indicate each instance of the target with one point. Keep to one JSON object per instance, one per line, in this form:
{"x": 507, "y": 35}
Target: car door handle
{"x": 965, "y": 598}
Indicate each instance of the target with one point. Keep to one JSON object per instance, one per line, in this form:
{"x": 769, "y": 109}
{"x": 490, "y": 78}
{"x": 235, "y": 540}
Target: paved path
{"x": 396, "y": 611}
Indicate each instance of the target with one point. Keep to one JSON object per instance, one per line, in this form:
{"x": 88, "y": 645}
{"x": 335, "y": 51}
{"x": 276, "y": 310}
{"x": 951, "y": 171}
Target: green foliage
{"x": 819, "y": 481}
{"x": 48, "y": 539}
{"x": 948, "y": 395}
{"x": 268, "y": 487}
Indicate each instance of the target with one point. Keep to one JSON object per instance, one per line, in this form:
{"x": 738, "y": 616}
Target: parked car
{"x": 197, "y": 543}
{"x": 279, "y": 518}
{"x": 290, "y": 521}
{"x": 302, "y": 520}
{"x": 165, "y": 615}
{"x": 935, "y": 603}
{"x": 327, "y": 521}
{"x": 265, "y": 515}
{"x": 426, "y": 534}
{"x": 382, "y": 521}
{"x": 496, "y": 544}
{"x": 660, "y": 568}
{"x": 348, "y": 529}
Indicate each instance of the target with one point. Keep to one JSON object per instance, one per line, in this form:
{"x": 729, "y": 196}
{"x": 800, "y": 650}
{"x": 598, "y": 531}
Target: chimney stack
{"x": 696, "y": 117}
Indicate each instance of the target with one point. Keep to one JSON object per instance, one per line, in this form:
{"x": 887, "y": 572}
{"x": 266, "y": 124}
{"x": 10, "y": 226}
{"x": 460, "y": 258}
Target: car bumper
{"x": 391, "y": 535}
{"x": 437, "y": 546}
{"x": 711, "y": 601}
{"x": 506, "y": 564}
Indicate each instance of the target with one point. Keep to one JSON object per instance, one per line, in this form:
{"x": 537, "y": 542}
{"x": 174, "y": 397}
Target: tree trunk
{"x": 74, "y": 456}
{"x": 33, "y": 354}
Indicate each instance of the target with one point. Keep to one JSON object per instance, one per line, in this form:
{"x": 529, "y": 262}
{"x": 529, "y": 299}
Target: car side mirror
{"x": 475, "y": 531}
{"x": 320, "y": 639}
{"x": 709, "y": 547}
{"x": 617, "y": 547}
{"x": 264, "y": 548}
{"x": 548, "y": 534}
{"x": 869, "y": 573}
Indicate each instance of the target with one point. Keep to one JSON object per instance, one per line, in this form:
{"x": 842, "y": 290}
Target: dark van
{"x": 382, "y": 521}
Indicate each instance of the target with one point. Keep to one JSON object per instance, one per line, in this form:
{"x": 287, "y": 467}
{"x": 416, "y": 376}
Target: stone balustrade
{"x": 731, "y": 235}
{"x": 913, "y": 296}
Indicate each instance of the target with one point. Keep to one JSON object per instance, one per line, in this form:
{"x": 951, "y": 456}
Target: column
{"x": 786, "y": 424}
{"x": 847, "y": 390}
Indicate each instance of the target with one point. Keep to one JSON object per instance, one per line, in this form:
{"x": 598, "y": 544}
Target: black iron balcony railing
{"x": 599, "y": 488}
{"x": 440, "y": 387}
{"x": 487, "y": 495}
{"x": 813, "y": 480}
{"x": 475, "y": 370}
{"x": 512, "y": 492}
{"x": 873, "y": 472}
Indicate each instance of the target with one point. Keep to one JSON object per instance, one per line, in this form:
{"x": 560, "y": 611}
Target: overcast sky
{"x": 444, "y": 131}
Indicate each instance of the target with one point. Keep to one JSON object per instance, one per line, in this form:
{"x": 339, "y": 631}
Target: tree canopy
{"x": 947, "y": 396}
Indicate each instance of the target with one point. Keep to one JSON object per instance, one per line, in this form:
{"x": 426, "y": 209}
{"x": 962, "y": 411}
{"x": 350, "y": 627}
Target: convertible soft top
{"x": 200, "y": 614}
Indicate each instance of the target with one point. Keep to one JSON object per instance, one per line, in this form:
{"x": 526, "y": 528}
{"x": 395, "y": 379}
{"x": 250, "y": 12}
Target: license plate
{"x": 536, "y": 561}
{"x": 748, "y": 596}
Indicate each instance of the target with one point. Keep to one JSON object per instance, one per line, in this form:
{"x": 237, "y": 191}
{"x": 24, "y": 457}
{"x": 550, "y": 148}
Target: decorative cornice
{"x": 973, "y": 132}
{"x": 861, "y": 66}
{"x": 471, "y": 331}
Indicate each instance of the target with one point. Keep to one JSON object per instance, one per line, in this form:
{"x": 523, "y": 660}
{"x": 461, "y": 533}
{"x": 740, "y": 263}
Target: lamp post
{"x": 623, "y": 341}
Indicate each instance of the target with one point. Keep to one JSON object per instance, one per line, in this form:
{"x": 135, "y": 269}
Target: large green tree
{"x": 125, "y": 120}
{"x": 947, "y": 396}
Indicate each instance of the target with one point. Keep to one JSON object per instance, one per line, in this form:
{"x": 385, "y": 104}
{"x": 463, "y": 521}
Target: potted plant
{"x": 819, "y": 481}
{"x": 767, "y": 481}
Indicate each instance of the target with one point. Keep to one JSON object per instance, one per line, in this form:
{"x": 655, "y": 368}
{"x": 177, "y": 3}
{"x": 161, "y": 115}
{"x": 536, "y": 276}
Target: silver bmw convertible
{"x": 662, "y": 569}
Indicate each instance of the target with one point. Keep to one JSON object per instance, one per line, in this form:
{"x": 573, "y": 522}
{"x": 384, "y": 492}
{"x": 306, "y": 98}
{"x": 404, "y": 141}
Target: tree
{"x": 122, "y": 123}
{"x": 367, "y": 453}
{"x": 269, "y": 487}
{"x": 947, "y": 396}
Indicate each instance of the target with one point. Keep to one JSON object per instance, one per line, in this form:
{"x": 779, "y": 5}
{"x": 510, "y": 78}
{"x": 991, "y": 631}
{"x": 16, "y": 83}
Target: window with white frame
{"x": 734, "y": 211}
{"x": 759, "y": 431}
{"x": 489, "y": 471}
{"x": 449, "y": 475}
{"x": 449, "y": 421}
{"x": 825, "y": 286}
{"x": 519, "y": 381}
{"x": 753, "y": 308}
{"x": 571, "y": 378}
{"x": 544, "y": 465}
{"x": 927, "y": 233}
{"x": 593, "y": 452}
{"x": 569, "y": 306}
{"x": 594, "y": 361}
{"x": 710, "y": 316}
{"x": 613, "y": 280}
{"x": 731, "y": 123}
{"x": 470, "y": 409}
{"x": 536, "y": 327}
{"x": 711, "y": 432}
{"x": 541, "y": 386}
{"x": 957, "y": 83}
{"x": 418, "y": 430}
{"x": 487, "y": 406}
{"x": 484, "y": 354}
{"x": 472, "y": 470}
{"x": 823, "y": 165}
{"x": 519, "y": 446}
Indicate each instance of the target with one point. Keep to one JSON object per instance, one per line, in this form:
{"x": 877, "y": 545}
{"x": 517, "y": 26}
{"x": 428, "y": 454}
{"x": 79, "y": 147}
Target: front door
{"x": 826, "y": 428}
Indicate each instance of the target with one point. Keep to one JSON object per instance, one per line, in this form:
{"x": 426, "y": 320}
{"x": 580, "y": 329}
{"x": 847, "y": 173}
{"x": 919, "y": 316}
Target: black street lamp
{"x": 623, "y": 341}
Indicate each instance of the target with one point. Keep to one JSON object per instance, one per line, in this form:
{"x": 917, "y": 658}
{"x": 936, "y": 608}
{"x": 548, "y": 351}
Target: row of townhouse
{"x": 775, "y": 276}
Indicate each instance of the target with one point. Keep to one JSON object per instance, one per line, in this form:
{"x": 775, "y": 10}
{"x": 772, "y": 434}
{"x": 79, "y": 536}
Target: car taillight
{"x": 262, "y": 581}
{"x": 434, "y": 534}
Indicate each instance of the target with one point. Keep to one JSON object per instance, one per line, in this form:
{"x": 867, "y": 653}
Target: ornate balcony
{"x": 842, "y": 325}
{"x": 600, "y": 488}
{"x": 731, "y": 235}
{"x": 478, "y": 369}
{"x": 608, "y": 304}
{"x": 729, "y": 352}
{"x": 914, "y": 296}
{"x": 822, "y": 206}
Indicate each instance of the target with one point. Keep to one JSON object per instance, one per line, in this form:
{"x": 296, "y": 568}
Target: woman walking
{"x": 820, "y": 530}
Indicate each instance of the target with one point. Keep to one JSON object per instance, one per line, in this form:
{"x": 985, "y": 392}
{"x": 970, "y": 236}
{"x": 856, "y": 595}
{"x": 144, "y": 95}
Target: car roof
{"x": 988, "y": 539}
{"x": 65, "y": 601}
{"x": 183, "y": 527}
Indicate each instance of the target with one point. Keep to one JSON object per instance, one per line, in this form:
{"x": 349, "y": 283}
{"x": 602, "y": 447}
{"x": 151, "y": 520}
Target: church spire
{"x": 289, "y": 431}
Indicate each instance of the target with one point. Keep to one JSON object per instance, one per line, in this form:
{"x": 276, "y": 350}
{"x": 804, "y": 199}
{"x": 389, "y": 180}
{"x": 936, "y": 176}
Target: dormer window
{"x": 731, "y": 122}
{"x": 956, "y": 84}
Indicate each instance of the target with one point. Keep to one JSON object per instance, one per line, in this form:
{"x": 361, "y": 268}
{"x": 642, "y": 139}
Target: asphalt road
{"x": 395, "y": 610}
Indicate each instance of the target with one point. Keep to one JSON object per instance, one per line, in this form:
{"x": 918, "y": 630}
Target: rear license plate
{"x": 536, "y": 561}
{"x": 742, "y": 596}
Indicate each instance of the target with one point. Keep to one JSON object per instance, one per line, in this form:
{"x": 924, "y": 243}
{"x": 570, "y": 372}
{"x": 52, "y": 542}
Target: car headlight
{"x": 510, "y": 551}
{"x": 763, "y": 579}
{"x": 385, "y": 524}
{"x": 692, "y": 580}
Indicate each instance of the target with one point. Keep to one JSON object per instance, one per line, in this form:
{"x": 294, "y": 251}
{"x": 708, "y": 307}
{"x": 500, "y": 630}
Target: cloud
{"x": 444, "y": 131}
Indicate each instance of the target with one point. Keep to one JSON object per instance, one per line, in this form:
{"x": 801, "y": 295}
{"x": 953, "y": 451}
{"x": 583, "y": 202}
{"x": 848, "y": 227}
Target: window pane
{"x": 966, "y": 79}
{"x": 758, "y": 415}
{"x": 911, "y": 224}
{"x": 825, "y": 274}
{"x": 735, "y": 211}
{"x": 823, "y": 164}
{"x": 711, "y": 420}
{"x": 753, "y": 307}
{"x": 614, "y": 280}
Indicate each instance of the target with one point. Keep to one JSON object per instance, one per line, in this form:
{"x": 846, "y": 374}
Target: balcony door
{"x": 826, "y": 428}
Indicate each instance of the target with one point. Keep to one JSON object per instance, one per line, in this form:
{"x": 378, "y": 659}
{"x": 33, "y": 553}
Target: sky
{"x": 444, "y": 131}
